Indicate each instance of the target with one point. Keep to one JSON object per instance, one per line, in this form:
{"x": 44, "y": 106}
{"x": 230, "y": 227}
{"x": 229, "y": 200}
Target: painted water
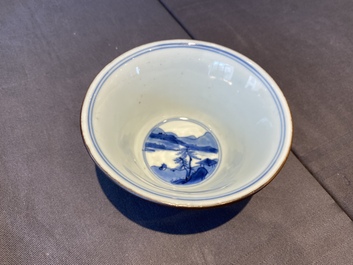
{"x": 181, "y": 152}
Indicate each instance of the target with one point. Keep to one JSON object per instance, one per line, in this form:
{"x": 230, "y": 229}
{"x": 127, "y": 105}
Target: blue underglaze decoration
{"x": 182, "y": 45}
{"x": 187, "y": 160}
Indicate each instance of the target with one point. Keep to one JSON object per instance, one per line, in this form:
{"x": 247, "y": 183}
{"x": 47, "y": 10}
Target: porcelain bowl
{"x": 186, "y": 123}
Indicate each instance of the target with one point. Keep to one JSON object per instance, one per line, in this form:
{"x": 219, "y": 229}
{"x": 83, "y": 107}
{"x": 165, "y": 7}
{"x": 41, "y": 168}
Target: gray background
{"x": 56, "y": 207}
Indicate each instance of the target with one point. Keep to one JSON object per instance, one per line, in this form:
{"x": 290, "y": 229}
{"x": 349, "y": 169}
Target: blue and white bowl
{"x": 186, "y": 123}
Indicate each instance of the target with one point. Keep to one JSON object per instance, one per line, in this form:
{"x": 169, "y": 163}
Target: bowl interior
{"x": 146, "y": 104}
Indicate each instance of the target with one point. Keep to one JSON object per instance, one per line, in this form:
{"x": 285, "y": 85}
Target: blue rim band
{"x": 200, "y": 47}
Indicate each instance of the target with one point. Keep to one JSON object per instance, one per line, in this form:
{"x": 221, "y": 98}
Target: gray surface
{"x": 306, "y": 46}
{"x": 56, "y": 207}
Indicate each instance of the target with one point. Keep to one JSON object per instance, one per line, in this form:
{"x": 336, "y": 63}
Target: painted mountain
{"x": 181, "y": 160}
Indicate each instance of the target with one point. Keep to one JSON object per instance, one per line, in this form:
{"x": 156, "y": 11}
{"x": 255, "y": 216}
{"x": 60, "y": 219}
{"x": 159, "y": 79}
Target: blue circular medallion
{"x": 181, "y": 151}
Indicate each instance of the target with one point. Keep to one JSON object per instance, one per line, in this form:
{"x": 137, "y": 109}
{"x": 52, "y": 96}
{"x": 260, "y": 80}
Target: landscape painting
{"x": 181, "y": 159}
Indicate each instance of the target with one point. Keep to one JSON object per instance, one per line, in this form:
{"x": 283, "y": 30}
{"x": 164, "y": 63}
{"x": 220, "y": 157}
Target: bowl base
{"x": 181, "y": 151}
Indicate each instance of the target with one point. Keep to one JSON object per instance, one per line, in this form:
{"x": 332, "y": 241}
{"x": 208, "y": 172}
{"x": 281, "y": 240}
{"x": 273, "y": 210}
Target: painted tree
{"x": 184, "y": 160}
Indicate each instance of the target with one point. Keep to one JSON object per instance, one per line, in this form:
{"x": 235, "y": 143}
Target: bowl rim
{"x": 117, "y": 177}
